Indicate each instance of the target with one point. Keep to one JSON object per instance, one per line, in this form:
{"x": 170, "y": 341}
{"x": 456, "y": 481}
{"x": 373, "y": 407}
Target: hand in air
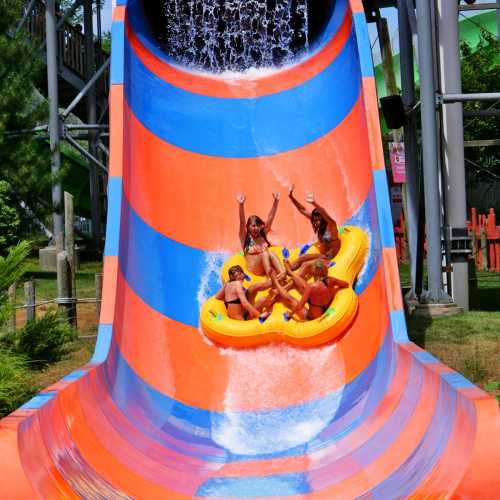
{"x": 240, "y": 198}
{"x": 310, "y": 197}
{"x": 276, "y": 196}
{"x": 290, "y": 190}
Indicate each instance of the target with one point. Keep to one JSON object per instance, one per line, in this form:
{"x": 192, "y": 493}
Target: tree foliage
{"x": 481, "y": 73}
{"x": 24, "y": 159}
{"x": 9, "y": 218}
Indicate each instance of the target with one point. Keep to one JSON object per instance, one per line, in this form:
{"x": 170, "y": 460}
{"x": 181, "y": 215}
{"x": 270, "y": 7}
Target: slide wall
{"x": 160, "y": 411}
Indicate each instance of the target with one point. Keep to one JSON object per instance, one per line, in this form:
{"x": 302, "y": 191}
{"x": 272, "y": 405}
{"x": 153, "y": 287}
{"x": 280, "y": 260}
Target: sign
{"x": 398, "y": 162}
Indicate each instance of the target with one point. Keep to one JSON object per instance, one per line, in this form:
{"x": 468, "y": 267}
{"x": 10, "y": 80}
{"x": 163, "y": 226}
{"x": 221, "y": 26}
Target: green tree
{"x": 481, "y": 73}
{"x": 24, "y": 158}
{"x": 9, "y": 218}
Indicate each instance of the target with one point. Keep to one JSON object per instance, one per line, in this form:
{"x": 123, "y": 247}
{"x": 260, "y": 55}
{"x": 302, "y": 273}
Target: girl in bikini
{"x": 239, "y": 301}
{"x": 324, "y": 227}
{"x": 316, "y": 297}
{"x": 253, "y": 237}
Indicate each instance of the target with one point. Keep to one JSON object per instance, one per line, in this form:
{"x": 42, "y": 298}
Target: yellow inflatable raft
{"x": 345, "y": 266}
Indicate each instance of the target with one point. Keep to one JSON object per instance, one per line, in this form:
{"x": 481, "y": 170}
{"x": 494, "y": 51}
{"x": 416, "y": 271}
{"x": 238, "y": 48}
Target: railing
{"x": 71, "y": 46}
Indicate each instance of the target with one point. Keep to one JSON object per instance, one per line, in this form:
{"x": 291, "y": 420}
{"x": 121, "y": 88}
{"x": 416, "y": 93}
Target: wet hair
{"x": 323, "y": 223}
{"x": 320, "y": 266}
{"x": 232, "y": 270}
{"x": 254, "y": 219}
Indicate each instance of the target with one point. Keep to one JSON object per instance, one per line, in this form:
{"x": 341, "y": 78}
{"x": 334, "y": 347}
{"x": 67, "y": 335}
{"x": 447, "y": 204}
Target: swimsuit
{"x": 235, "y": 301}
{"x": 254, "y": 248}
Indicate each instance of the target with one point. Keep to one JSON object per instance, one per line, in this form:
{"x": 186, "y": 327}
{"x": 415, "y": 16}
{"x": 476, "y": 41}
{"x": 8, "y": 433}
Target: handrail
{"x": 71, "y": 45}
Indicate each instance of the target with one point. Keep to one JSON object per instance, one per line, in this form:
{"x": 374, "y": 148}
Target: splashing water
{"x": 234, "y": 35}
{"x": 261, "y": 378}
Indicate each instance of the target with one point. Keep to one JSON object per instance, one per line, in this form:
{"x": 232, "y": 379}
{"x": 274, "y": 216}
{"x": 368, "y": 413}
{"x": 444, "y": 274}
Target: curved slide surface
{"x": 160, "y": 412}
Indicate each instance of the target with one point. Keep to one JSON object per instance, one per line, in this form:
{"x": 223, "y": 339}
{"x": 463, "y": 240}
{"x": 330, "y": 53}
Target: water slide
{"x": 162, "y": 412}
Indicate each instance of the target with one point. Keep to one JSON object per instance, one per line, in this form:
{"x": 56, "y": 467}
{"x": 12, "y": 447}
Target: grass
{"x": 469, "y": 343}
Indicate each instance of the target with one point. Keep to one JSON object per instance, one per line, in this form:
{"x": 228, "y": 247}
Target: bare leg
{"x": 269, "y": 260}
{"x": 253, "y": 290}
{"x": 289, "y": 301}
{"x": 298, "y": 280}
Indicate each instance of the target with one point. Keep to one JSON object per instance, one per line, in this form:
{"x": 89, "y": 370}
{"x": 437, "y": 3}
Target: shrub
{"x": 45, "y": 340}
{"x": 15, "y": 381}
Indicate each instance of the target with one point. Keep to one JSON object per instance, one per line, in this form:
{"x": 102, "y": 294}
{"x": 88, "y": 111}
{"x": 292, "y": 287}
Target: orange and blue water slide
{"x": 160, "y": 411}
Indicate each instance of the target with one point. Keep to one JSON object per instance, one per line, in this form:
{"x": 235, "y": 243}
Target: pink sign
{"x": 398, "y": 162}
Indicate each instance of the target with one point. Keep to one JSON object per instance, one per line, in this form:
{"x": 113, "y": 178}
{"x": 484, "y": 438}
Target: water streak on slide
{"x": 160, "y": 412}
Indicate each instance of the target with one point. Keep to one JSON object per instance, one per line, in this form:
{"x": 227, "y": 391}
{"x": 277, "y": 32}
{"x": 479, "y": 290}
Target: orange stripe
{"x": 119, "y": 13}
{"x": 190, "y": 197}
{"x": 178, "y": 361}
{"x": 357, "y": 6}
{"x": 103, "y": 462}
{"x": 373, "y": 120}
{"x": 15, "y": 484}
{"x": 243, "y": 87}
{"x": 116, "y": 127}
{"x": 109, "y": 290}
{"x": 391, "y": 274}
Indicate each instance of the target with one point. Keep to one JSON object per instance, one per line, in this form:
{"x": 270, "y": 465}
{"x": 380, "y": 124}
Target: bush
{"x": 15, "y": 381}
{"x": 9, "y": 218}
{"x": 45, "y": 340}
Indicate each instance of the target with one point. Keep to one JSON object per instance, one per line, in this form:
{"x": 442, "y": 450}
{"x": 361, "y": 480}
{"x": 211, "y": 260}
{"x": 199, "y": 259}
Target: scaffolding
{"x": 77, "y": 84}
{"x": 435, "y": 187}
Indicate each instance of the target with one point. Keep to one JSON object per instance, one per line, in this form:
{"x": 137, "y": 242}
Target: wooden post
{"x": 12, "y": 301}
{"x": 472, "y": 234}
{"x": 98, "y": 294}
{"x": 484, "y": 249}
{"x": 70, "y": 254}
{"x": 63, "y": 285}
{"x": 29, "y": 297}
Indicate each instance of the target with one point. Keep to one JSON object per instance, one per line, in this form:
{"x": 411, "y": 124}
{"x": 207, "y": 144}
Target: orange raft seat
{"x": 346, "y": 266}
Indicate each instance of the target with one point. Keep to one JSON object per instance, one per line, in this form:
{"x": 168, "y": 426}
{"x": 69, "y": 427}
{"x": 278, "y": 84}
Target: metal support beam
{"x": 54, "y": 120}
{"x": 481, "y": 112}
{"x": 479, "y": 96}
{"x": 410, "y": 138}
{"x": 89, "y": 86}
{"x": 434, "y": 293}
{"x": 90, "y": 73}
{"x": 481, "y": 6}
{"x": 92, "y": 159}
{"x": 452, "y": 144}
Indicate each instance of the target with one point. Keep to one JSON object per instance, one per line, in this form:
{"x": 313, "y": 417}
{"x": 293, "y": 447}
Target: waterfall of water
{"x": 234, "y": 35}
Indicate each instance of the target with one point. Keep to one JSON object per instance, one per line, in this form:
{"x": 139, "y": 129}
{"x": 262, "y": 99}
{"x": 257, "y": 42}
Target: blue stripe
{"x": 255, "y": 487}
{"x": 101, "y": 351}
{"x": 113, "y": 220}
{"x": 199, "y": 428}
{"x": 457, "y": 381}
{"x": 76, "y": 375}
{"x": 168, "y": 275}
{"x": 364, "y": 47}
{"x": 384, "y": 209}
{"x": 38, "y": 401}
{"x": 117, "y": 52}
{"x": 399, "y": 331}
{"x": 245, "y": 128}
{"x": 142, "y": 29}
{"x": 425, "y": 357}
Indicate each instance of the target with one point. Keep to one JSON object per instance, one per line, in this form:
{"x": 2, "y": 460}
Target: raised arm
{"x": 310, "y": 199}
{"x": 272, "y": 212}
{"x": 297, "y": 204}
{"x": 240, "y": 198}
{"x": 254, "y": 313}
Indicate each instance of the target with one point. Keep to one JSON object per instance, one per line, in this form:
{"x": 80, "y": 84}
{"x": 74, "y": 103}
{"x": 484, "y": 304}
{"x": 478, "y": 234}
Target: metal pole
{"x": 92, "y": 120}
{"x": 453, "y": 142}
{"x": 410, "y": 137}
{"x": 54, "y": 121}
{"x": 434, "y": 292}
{"x": 478, "y": 96}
